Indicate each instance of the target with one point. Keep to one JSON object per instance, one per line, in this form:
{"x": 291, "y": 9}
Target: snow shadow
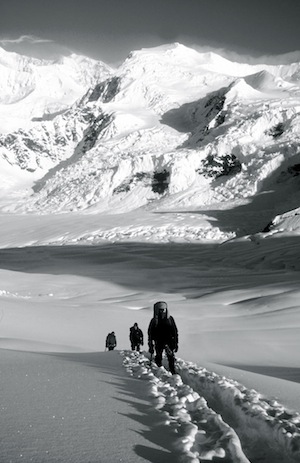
{"x": 159, "y": 267}
{"x": 130, "y": 391}
{"x": 195, "y": 118}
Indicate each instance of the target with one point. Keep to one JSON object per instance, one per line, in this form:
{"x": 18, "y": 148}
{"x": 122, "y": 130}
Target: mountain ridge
{"x": 171, "y": 127}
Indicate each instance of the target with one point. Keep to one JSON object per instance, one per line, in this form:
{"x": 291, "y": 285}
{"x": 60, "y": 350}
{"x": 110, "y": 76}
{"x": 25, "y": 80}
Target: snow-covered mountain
{"x": 171, "y": 128}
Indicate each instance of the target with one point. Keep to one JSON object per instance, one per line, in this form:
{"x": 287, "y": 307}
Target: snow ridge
{"x": 261, "y": 428}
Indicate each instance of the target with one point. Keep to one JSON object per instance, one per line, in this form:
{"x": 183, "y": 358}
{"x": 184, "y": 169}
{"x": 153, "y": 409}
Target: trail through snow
{"x": 241, "y": 426}
{"x": 88, "y": 407}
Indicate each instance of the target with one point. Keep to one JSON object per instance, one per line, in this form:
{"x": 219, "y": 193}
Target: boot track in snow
{"x": 215, "y": 418}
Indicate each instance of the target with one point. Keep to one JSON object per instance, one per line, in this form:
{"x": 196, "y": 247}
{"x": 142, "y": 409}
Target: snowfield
{"x": 236, "y": 393}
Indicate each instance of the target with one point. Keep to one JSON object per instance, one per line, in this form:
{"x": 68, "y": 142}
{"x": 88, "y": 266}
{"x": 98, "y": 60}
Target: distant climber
{"x": 136, "y": 337}
{"x": 111, "y": 341}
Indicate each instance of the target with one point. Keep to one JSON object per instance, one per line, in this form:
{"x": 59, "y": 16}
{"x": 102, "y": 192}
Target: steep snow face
{"x": 171, "y": 128}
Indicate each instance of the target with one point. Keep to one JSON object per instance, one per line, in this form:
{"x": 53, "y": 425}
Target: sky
{"x": 109, "y": 29}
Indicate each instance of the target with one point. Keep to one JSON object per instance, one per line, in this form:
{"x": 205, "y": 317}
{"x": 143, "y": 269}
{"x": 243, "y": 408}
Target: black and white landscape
{"x": 176, "y": 177}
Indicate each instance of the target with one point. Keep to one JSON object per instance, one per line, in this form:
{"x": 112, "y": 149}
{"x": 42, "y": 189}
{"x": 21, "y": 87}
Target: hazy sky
{"x": 110, "y": 29}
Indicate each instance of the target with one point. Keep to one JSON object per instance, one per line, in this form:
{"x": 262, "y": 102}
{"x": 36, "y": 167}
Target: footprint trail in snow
{"x": 238, "y": 426}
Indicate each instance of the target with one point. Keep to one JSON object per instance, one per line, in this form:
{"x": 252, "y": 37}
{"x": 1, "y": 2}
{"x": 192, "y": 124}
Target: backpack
{"x": 167, "y": 330}
{"x": 111, "y": 339}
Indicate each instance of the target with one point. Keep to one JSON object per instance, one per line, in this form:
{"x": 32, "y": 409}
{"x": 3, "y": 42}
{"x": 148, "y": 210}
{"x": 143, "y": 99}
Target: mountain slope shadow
{"x": 160, "y": 267}
{"x": 131, "y": 392}
{"x": 278, "y": 194}
{"x": 198, "y": 117}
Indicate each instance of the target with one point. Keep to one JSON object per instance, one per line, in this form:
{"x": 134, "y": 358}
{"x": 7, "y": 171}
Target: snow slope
{"x": 236, "y": 307}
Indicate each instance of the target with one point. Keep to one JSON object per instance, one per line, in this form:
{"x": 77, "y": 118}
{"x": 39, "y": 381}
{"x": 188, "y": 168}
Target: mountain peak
{"x": 32, "y": 87}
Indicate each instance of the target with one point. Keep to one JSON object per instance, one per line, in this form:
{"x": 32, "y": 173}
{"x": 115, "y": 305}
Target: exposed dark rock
{"x": 160, "y": 182}
{"x": 217, "y": 166}
{"x": 128, "y": 184}
{"x": 276, "y": 131}
{"x": 106, "y": 90}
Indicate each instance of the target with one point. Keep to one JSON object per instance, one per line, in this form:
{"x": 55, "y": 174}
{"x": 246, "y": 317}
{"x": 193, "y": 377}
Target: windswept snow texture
{"x": 217, "y": 419}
